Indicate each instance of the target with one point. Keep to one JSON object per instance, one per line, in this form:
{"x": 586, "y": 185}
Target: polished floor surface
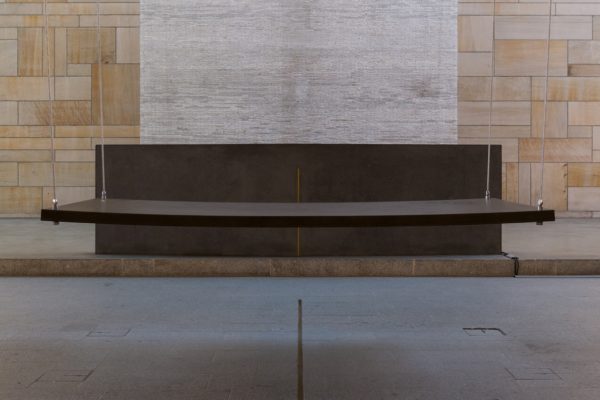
{"x": 236, "y": 338}
{"x": 563, "y": 239}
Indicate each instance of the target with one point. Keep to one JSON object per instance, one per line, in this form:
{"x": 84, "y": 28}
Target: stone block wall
{"x": 572, "y": 168}
{"x": 25, "y": 143}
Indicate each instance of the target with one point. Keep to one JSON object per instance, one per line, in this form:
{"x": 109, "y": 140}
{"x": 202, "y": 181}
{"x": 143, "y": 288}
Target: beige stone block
{"x": 512, "y": 88}
{"x": 71, "y": 9}
{"x": 475, "y": 8}
{"x": 580, "y": 131}
{"x": 567, "y": 89}
{"x": 510, "y": 146}
{"x": 475, "y": 33}
{"x": 113, "y": 8}
{"x": 37, "y": 21}
{"x": 31, "y": 52}
{"x": 474, "y": 64}
{"x": 114, "y": 131}
{"x": 571, "y": 28}
{"x": 8, "y": 113}
{"x": 8, "y": 174}
{"x": 67, "y": 174}
{"x": 584, "y": 52}
{"x": 473, "y": 112}
{"x": 79, "y": 70}
{"x": 574, "y": 214}
{"x": 474, "y": 89}
{"x": 82, "y": 45}
{"x": 121, "y": 94}
{"x": 23, "y": 88}
{"x": 512, "y": 182}
{"x": 35, "y": 174}
{"x": 596, "y": 156}
{"x": 511, "y": 113}
{"x": 24, "y": 144}
{"x": 584, "y": 70}
{"x": 60, "y": 51}
{"x": 72, "y": 143}
{"x": 64, "y": 113}
{"x": 115, "y": 140}
{"x": 111, "y": 20}
{"x": 8, "y": 57}
{"x": 514, "y": 8}
{"x": 596, "y": 27}
{"x": 128, "y": 45}
{"x": 528, "y": 58}
{"x": 67, "y": 195}
{"x": 24, "y": 131}
{"x": 536, "y": 27}
{"x": 20, "y": 200}
{"x": 524, "y": 183}
{"x": 481, "y": 131}
{"x": 556, "y": 150}
{"x": 14, "y": 21}
{"x": 503, "y": 182}
{"x": 63, "y": 21}
{"x": 8, "y": 33}
{"x": 584, "y": 113}
{"x": 584, "y": 198}
{"x": 75, "y": 156}
{"x": 582, "y": 8}
{"x": 555, "y": 184}
{"x": 584, "y": 174}
{"x": 556, "y": 119}
{"x": 18, "y": 8}
{"x": 75, "y": 174}
{"x": 73, "y": 88}
{"x": 596, "y": 138}
{"x": 25, "y": 155}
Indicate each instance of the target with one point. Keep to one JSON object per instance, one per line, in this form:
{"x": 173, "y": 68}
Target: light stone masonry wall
{"x": 25, "y": 144}
{"x": 572, "y": 168}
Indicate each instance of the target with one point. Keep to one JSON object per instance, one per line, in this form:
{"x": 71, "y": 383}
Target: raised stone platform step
{"x": 485, "y": 266}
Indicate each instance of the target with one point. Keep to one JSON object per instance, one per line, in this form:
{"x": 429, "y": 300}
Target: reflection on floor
{"x": 563, "y": 239}
{"x": 378, "y": 338}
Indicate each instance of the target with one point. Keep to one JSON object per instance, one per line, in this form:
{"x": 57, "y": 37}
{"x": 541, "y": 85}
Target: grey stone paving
{"x": 235, "y": 338}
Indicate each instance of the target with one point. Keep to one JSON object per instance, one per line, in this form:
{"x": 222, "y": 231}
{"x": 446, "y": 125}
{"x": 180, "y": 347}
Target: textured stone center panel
{"x": 298, "y": 71}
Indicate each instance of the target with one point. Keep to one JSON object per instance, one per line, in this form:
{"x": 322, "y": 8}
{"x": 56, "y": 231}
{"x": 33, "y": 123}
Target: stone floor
{"x": 236, "y": 338}
{"x": 563, "y": 239}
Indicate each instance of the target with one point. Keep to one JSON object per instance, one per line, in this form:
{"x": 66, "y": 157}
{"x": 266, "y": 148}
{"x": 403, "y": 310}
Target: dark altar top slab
{"x": 308, "y": 214}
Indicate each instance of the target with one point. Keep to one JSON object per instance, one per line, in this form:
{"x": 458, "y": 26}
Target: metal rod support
{"x": 489, "y": 145}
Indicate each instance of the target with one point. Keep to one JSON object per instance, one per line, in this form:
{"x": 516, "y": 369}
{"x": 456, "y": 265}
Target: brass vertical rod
{"x": 489, "y": 144}
{"x": 298, "y": 198}
{"x": 100, "y": 97}
{"x": 51, "y": 107}
{"x": 540, "y": 200}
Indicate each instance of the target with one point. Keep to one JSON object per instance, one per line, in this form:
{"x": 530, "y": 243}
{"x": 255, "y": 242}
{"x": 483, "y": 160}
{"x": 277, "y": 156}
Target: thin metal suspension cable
{"x": 489, "y": 144}
{"x": 540, "y": 201}
{"x": 50, "y": 108}
{"x": 100, "y": 98}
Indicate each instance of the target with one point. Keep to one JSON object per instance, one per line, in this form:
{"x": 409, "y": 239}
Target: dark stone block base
{"x": 289, "y": 173}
